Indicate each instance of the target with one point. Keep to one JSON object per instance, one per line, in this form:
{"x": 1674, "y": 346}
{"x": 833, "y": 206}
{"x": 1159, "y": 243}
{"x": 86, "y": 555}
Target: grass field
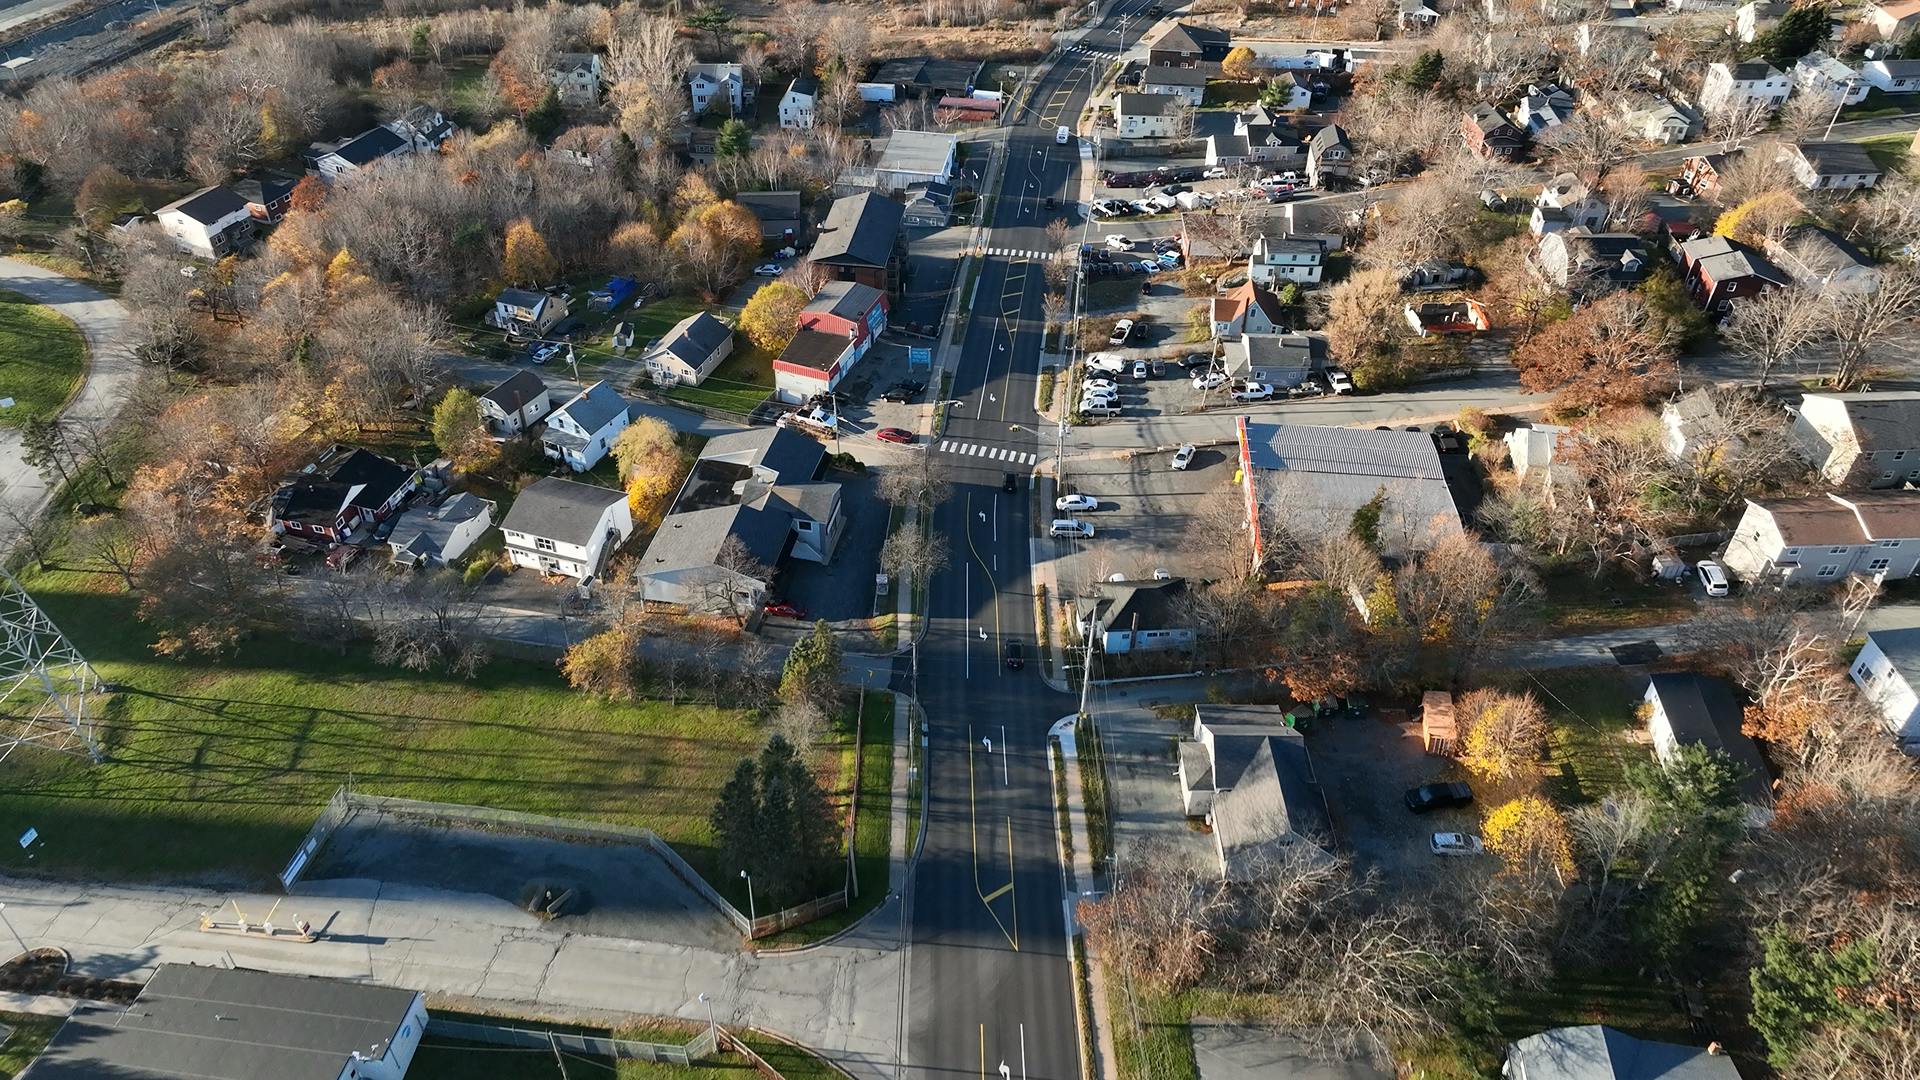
{"x": 42, "y": 358}
{"x": 741, "y": 382}
{"x": 1890, "y": 151}
{"x": 216, "y": 770}
{"x": 31, "y": 1033}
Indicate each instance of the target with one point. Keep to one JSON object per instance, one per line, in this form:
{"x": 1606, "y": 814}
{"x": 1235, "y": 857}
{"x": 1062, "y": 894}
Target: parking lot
{"x": 1365, "y": 766}
{"x": 1144, "y": 516}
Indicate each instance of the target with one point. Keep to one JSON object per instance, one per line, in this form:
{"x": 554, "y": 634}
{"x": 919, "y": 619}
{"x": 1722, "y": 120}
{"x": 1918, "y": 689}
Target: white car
{"x": 1106, "y": 364}
{"x": 1339, "y": 381}
{"x": 1454, "y": 843}
{"x": 1140, "y": 369}
{"x": 1119, "y": 243}
{"x": 1104, "y": 386}
{"x": 1122, "y": 330}
{"x": 1218, "y": 172}
{"x": 1068, "y": 527}
{"x": 1209, "y": 380}
{"x": 1253, "y": 392}
{"x": 767, "y": 270}
{"x": 1713, "y": 577}
{"x": 1183, "y": 457}
{"x": 1071, "y": 503}
{"x": 1099, "y": 401}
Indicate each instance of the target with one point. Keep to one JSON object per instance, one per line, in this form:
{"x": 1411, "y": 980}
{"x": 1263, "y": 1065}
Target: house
{"x": 1821, "y": 261}
{"x": 778, "y": 213}
{"x": 689, "y": 351}
{"x": 1565, "y": 202}
{"x": 1544, "y": 106}
{"x": 916, "y": 157}
{"x": 1277, "y": 258}
{"x": 589, "y": 148}
{"x": 928, "y": 205}
{"x": 719, "y": 85}
{"x": 1258, "y": 136}
{"x": 1137, "y": 616}
{"x": 1187, "y": 84}
{"x": 1318, "y": 476}
{"x": 1579, "y": 259}
{"x": 924, "y": 77}
{"x": 1490, "y": 134}
{"x": 515, "y": 404}
{"x": 1436, "y": 275}
{"x": 1894, "y": 20}
{"x": 1659, "y": 120}
{"x": 1754, "y": 18}
{"x": 860, "y": 241}
{"x": 1417, "y": 15}
{"x": 1459, "y": 317}
{"x": 527, "y": 312}
{"x": 566, "y": 528}
{"x": 581, "y": 432}
{"x": 1887, "y": 670}
{"x": 1732, "y": 85}
{"x": 1532, "y": 448}
{"x": 1282, "y": 360}
{"x": 1702, "y": 172}
{"x": 1821, "y": 76}
{"x": 1595, "y": 1052}
{"x": 1831, "y": 166}
{"x": 1719, "y": 270}
{"x": 1821, "y": 539}
{"x": 230, "y": 1023}
{"x": 1892, "y": 76}
{"x": 1329, "y": 156}
{"x": 437, "y": 535}
{"x": 797, "y": 104}
{"x": 344, "y": 491}
{"x": 836, "y": 329}
{"x": 1248, "y": 308}
{"x": 1247, "y": 771}
{"x": 1689, "y": 421}
{"x": 211, "y": 223}
{"x": 1860, "y": 440}
{"x": 421, "y": 129}
{"x": 268, "y": 195}
{"x": 1187, "y": 45}
{"x": 1688, "y": 709}
{"x": 760, "y": 487}
{"x": 1299, "y": 86}
{"x": 577, "y": 78}
{"x": 1144, "y": 116}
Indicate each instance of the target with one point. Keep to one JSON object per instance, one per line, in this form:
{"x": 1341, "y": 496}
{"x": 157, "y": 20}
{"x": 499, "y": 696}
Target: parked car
{"x": 782, "y": 609}
{"x": 1016, "y": 659}
{"x": 1340, "y": 381}
{"x": 767, "y": 270}
{"x": 1140, "y": 369}
{"x": 1104, "y": 386}
{"x": 1306, "y": 387}
{"x": 903, "y": 391}
{"x": 1183, "y": 457}
{"x": 1208, "y": 380}
{"x": 545, "y": 351}
{"x": 894, "y": 435}
{"x": 1438, "y": 797}
{"x": 1713, "y": 577}
{"x": 1175, "y": 189}
{"x": 1218, "y": 172}
{"x": 1195, "y": 360}
{"x": 1069, "y": 528}
{"x": 1119, "y": 243}
{"x": 1253, "y": 392}
{"x": 1122, "y": 330}
{"x": 1076, "y": 502}
{"x": 1106, "y": 362}
{"x": 1454, "y": 843}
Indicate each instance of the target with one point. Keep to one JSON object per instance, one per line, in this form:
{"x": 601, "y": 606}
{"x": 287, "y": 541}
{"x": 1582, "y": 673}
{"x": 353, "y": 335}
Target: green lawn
{"x": 42, "y": 359}
{"x": 741, "y": 382}
{"x": 31, "y": 1033}
{"x": 1890, "y": 151}
{"x": 450, "y": 1059}
{"x": 1576, "y": 603}
{"x": 218, "y": 769}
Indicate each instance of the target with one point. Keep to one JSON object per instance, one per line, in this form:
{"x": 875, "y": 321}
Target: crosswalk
{"x": 987, "y": 453}
{"x": 1021, "y": 253}
{"x": 1089, "y": 50}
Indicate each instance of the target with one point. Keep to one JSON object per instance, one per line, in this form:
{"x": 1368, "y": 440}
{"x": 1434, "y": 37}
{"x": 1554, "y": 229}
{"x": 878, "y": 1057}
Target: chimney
{"x": 1716, "y": 1049}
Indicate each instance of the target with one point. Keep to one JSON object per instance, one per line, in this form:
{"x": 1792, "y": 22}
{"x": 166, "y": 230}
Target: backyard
{"x": 42, "y": 359}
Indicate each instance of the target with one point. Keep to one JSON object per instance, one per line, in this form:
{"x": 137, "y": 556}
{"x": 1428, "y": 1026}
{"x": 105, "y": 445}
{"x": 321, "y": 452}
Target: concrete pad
{"x": 1237, "y": 1052}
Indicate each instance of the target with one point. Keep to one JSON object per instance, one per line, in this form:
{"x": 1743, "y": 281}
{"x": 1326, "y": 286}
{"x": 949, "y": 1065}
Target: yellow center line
{"x": 987, "y": 570}
{"x": 983, "y": 1052}
{"x": 973, "y": 808}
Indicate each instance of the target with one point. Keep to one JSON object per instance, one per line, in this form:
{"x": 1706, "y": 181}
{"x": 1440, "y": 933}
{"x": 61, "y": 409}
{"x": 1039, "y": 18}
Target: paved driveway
{"x": 110, "y": 367}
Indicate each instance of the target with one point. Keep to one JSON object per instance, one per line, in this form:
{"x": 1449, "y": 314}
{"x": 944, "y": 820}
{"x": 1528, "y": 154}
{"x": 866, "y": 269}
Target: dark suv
{"x": 1016, "y": 659}
{"x": 1438, "y": 797}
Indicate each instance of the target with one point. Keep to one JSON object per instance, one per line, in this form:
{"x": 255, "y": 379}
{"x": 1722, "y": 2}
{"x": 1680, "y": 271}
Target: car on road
{"x": 1183, "y": 457}
{"x": 1218, "y": 172}
{"x": 1340, "y": 381}
{"x": 894, "y": 435}
{"x": 1457, "y": 843}
{"x": 1428, "y": 797}
{"x": 1208, "y": 380}
{"x": 544, "y": 352}
{"x": 1076, "y": 502}
{"x": 1010, "y": 483}
{"x": 1713, "y": 577}
{"x": 1253, "y": 392}
{"x": 1140, "y": 369}
{"x": 1122, "y": 330}
{"x": 1015, "y": 656}
{"x": 782, "y": 609}
{"x": 767, "y": 270}
{"x": 903, "y": 391}
{"x": 1069, "y": 528}
{"x": 1118, "y": 242}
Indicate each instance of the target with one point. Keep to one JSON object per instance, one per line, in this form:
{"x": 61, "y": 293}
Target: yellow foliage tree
{"x": 344, "y": 275}
{"x": 602, "y": 665}
{"x": 1504, "y": 734}
{"x": 768, "y": 318}
{"x": 527, "y": 258}
{"x": 1239, "y": 64}
{"x": 647, "y": 495}
{"x": 1764, "y": 215}
{"x": 1529, "y": 833}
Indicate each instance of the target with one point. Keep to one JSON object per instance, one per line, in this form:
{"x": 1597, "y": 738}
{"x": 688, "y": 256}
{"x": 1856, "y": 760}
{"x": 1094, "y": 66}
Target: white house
{"x": 1860, "y": 440}
{"x": 689, "y": 351}
{"x": 1144, "y": 116}
{"x": 1893, "y": 19}
{"x": 797, "y": 104}
{"x": 418, "y": 130}
{"x": 1246, "y": 309}
{"x": 1821, "y": 76}
{"x": 516, "y": 404}
{"x": 916, "y": 157}
{"x": 1187, "y": 84}
{"x": 576, "y": 78}
{"x": 1831, "y": 166}
{"x": 1685, "y": 709}
{"x": 582, "y": 431}
{"x": 1658, "y": 120}
{"x": 1280, "y": 259}
{"x": 1822, "y": 539}
{"x": 566, "y": 528}
{"x": 1888, "y": 673}
{"x": 1691, "y": 422}
{"x": 1892, "y": 76}
{"x": 437, "y": 535}
{"x": 1137, "y": 616}
{"x": 1822, "y": 261}
{"x": 524, "y": 311}
{"x": 211, "y": 223}
{"x": 1754, "y": 18}
{"x": 1245, "y": 768}
{"x": 1543, "y": 107}
{"x": 1732, "y": 85}
{"x": 1577, "y": 206}
{"x": 725, "y": 82}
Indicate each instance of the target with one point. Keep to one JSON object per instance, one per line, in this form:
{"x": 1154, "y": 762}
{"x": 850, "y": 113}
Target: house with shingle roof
{"x": 1144, "y": 116}
{"x": 1187, "y": 84}
{"x": 1831, "y": 166}
{"x": 1869, "y": 439}
{"x": 689, "y": 351}
{"x": 1687, "y": 709}
{"x": 565, "y": 527}
{"x": 1182, "y": 44}
{"x": 211, "y": 223}
{"x": 1719, "y": 270}
{"x": 860, "y": 241}
{"x": 1821, "y": 539}
{"x": 1247, "y": 772}
{"x": 516, "y": 403}
{"x": 1595, "y": 1052}
{"x": 1887, "y": 670}
{"x": 582, "y": 431}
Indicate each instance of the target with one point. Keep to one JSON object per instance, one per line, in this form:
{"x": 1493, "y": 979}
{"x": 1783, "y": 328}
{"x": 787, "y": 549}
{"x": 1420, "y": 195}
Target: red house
{"x": 1719, "y": 270}
{"x": 1490, "y": 134}
{"x": 346, "y": 490}
{"x": 835, "y": 330}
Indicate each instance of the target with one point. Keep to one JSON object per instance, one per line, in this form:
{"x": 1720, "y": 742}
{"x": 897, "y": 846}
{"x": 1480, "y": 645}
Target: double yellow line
{"x": 986, "y": 898}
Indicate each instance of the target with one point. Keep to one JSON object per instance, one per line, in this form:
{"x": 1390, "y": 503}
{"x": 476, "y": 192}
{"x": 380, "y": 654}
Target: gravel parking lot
{"x": 1365, "y": 766}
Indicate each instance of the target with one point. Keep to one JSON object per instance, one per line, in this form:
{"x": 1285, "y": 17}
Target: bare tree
{"x": 914, "y": 554}
{"x": 437, "y": 625}
{"x": 107, "y": 539}
{"x": 733, "y": 584}
{"x": 26, "y": 528}
{"x": 1857, "y": 322}
{"x": 1774, "y": 327}
{"x": 1737, "y": 121}
{"x": 646, "y": 60}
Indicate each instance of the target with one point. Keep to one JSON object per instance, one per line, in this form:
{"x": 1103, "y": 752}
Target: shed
{"x": 1437, "y": 729}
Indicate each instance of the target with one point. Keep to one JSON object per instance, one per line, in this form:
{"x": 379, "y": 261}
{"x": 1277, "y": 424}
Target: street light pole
{"x": 708, "y": 1002}
{"x": 752, "y": 915}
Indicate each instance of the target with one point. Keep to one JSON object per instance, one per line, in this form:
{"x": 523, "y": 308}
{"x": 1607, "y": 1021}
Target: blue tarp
{"x": 614, "y": 293}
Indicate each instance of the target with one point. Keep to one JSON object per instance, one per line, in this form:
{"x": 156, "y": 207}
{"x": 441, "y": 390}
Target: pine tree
{"x": 736, "y": 821}
{"x": 734, "y": 140}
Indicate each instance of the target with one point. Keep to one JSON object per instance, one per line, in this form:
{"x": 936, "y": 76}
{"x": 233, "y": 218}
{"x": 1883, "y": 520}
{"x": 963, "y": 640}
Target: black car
{"x": 1438, "y": 797}
{"x": 1015, "y": 658}
{"x": 1010, "y": 484}
{"x": 1195, "y": 360}
{"x": 903, "y": 391}
{"x": 1175, "y": 189}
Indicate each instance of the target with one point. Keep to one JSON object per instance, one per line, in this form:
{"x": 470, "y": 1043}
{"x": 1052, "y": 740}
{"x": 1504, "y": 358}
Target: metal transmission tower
{"x": 46, "y": 686}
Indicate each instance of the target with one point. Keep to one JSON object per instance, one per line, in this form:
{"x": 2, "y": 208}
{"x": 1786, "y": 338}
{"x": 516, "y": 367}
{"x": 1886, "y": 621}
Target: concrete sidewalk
{"x": 1085, "y": 886}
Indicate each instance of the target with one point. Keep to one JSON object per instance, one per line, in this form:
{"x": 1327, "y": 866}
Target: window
{"x": 1864, "y": 673}
{"x": 1793, "y": 551}
{"x": 1836, "y": 551}
{"x": 1886, "y": 476}
{"x": 541, "y": 543}
{"x": 1898, "y": 454}
{"x": 1879, "y": 564}
{"x": 1892, "y": 543}
{"x": 1829, "y": 570}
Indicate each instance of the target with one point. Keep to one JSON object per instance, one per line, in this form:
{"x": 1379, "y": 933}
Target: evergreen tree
{"x": 811, "y": 675}
{"x": 1800, "y": 987}
{"x": 1696, "y": 798}
{"x": 43, "y": 445}
{"x": 543, "y": 120}
{"x": 1423, "y": 72}
{"x": 1798, "y": 33}
{"x": 737, "y": 826}
{"x": 734, "y": 140}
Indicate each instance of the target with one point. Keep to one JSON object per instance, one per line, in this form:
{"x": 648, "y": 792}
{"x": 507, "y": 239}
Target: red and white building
{"x": 836, "y": 329}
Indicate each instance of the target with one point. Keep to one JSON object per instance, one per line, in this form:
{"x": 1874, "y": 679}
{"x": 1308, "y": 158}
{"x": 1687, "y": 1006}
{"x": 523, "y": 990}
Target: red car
{"x": 784, "y": 610}
{"x": 894, "y": 435}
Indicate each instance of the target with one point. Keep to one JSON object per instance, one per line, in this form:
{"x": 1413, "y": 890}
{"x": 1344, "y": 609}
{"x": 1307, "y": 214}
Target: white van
{"x": 1069, "y": 528}
{"x": 1106, "y": 362}
{"x": 1064, "y": 135}
{"x": 1713, "y": 578}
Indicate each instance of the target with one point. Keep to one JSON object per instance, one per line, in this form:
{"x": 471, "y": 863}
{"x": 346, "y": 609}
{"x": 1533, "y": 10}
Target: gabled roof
{"x": 1490, "y": 120}
{"x": 749, "y": 484}
{"x": 1143, "y": 104}
{"x": 369, "y": 146}
{"x": 577, "y": 61}
{"x": 804, "y": 85}
{"x": 593, "y": 408}
{"x": 1153, "y": 603}
{"x": 263, "y": 188}
{"x": 715, "y": 72}
{"x": 564, "y": 511}
{"x": 1898, "y": 69}
{"x": 1189, "y": 38}
{"x": 1326, "y": 138}
{"x": 845, "y": 299}
{"x": 1901, "y": 645}
{"x": 1275, "y": 801}
{"x": 513, "y": 392}
{"x": 1724, "y": 260}
{"x": 1703, "y": 711}
{"x": 815, "y": 350}
{"x": 1838, "y": 158}
{"x": 1595, "y": 1052}
{"x": 208, "y": 205}
{"x": 927, "y": 73}
{"x": 1173, "y": 76}
{"x": 860, "y": 230}
{"x": 1882, "y": 419}
{"x": 1750, "y": 71}
{"x": 694, "y": 338}
{"x": 1335, "y": 471}
{"x": 343, "y": 476}
{"x": 423, "y": 532}
{"x": 521, "y": 298}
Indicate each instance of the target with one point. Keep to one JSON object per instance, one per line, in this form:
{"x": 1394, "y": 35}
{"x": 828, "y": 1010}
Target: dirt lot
{"x": 1365, "y": 766}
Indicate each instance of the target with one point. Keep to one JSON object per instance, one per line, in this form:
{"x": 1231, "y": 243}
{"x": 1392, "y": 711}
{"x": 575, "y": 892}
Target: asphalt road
{"x": 989, "y": 980}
